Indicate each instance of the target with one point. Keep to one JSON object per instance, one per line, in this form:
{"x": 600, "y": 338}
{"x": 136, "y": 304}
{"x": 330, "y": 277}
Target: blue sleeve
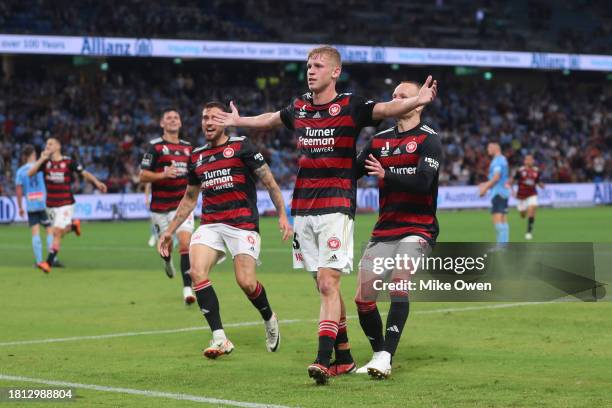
{"x": 19, "y": 177}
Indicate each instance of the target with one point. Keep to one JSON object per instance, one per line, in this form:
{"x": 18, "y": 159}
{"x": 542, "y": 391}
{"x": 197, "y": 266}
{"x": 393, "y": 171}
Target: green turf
{"x": 551, "y": 355}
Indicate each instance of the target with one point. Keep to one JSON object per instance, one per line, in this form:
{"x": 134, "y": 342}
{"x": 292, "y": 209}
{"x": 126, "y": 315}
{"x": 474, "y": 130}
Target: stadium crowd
{"x": 107, "y": 122}
{"x": 570, "y": 26}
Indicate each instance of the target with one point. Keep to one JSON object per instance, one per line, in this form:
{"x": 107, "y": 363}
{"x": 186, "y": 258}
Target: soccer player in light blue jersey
{"x": 35, "y": 194}
{"x": 500, "y": 191}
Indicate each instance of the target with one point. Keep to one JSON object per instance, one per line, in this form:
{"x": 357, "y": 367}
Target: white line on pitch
{"x": 145, "y": 393}
{"x": 118, "y": 248}
{"x": 243, "y": 324}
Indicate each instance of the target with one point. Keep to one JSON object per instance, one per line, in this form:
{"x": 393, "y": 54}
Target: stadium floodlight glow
{"x": 566, "y": 72}
{"x": 488, "y": 75}
{"x": 178, "y": 61}
{"x": 388, "y": 81}
{"x": 395, "y": 67}
{"x": 104, "y": 66}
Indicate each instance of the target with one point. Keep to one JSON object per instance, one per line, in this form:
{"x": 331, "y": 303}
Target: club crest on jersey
{"x": 411, "y": 147}
{"x": 251, "y": 239}
{"x": 334, "y": 110}
{"x": 228, "y": 152}
{"x": 186, "y": 151}
{"x": 333, "y": 243}
{"x": 62, "y": 165}
{"x": 165, "y": 150}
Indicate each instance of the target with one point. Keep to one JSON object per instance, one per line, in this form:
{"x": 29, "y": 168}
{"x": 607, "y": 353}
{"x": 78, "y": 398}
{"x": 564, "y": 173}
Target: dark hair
{"x": 216, "y": 104}
{"x": 169, "y": 109}
{"x": 26, "y": 151}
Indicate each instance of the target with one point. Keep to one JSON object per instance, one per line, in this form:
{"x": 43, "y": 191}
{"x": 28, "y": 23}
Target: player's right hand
{"x": 428, "y": 91}
{"x": 21, "y": 213}
{"x": 171, "y": 171}
{"x": 227, "y": 119}
{"x": 285, "y": 227}
{"x": 163, "y": 244}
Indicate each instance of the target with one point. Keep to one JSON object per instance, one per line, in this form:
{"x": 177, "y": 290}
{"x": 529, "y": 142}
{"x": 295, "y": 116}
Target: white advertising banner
{"x": 132, "y": 206}
{"x": 176, "y": 48}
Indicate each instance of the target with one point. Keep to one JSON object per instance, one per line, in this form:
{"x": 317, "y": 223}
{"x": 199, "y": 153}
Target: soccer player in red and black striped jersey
{"x": 405, "y": 159}
{"x": 225, "y": 170}
{"x": 327, "y": 124}
{"x": 528, "y": 177}
{"x": 164, "y": 165}
{"x": 59, "y": 174}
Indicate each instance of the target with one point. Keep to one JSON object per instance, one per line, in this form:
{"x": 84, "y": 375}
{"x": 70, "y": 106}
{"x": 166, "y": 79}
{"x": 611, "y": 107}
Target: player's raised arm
{"x": 268, "y": 120}
{"x": 44, "y": 156}
{"x": 187, "y": 205}
{"x": 266, "y": 177}
{"x": 398, "y": 107}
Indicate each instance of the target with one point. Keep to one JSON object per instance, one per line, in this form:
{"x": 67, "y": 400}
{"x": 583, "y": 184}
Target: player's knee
{"x": 248, "y": 286}
{"x": 327, "y": 286}
{"x": 198, "y": 273}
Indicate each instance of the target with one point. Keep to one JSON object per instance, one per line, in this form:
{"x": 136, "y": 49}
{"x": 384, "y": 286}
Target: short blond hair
{"x": 326, "y": 50}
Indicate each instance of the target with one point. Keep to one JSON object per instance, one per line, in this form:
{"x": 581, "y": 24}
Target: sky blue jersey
{"x": 499, "y": 164}
{"x": 33, "y": 188}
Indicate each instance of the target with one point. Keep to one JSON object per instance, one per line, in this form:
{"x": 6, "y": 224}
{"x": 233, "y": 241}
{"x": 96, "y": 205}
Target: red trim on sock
{"x": 398, "y": 293}
{"x": 365, "y": 307}
{"x": 202, "y": 285}
{"x": 328, "y": 328}
{"x": 256, "y": 292}
{"x": 342, "y": 325}
{"x": 186, "y": 252}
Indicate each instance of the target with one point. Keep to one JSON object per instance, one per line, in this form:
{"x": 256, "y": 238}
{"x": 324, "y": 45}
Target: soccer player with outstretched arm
{"x": 326, "y": 124}
{"x": 225, "y": 170}
{"x": 59, "y": 173}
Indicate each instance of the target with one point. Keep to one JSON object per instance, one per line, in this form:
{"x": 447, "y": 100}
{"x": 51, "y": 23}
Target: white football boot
{"x": 273, "y": 337}
{"x": 364, "y": 369}
{"x": 381, "y": 366}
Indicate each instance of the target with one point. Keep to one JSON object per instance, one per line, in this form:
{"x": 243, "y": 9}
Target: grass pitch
{"x": 451, "y": 354}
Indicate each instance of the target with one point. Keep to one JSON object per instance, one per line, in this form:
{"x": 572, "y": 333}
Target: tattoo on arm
{"x": 188, "y": 203}
{"x": 266, "y": 177}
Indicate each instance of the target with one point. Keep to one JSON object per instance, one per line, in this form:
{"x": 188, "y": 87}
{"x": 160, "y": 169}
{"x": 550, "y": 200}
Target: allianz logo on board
{"x": 140, "y": 47}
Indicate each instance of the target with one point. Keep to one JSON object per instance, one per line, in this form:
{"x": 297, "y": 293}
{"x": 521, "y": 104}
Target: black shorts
{"x": 38, "y": 217}
{"x": 499, "y": 205}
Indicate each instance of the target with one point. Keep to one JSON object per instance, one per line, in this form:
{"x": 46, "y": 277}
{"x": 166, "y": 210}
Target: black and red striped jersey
{"x": 166, "y": 194}
{"x": 326, "y": 143}
{"x": 59, "y": 176}
{"x": 408, "y": 193}
{"x": 226, "y": 176}
{"x": 527, "y": 178}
